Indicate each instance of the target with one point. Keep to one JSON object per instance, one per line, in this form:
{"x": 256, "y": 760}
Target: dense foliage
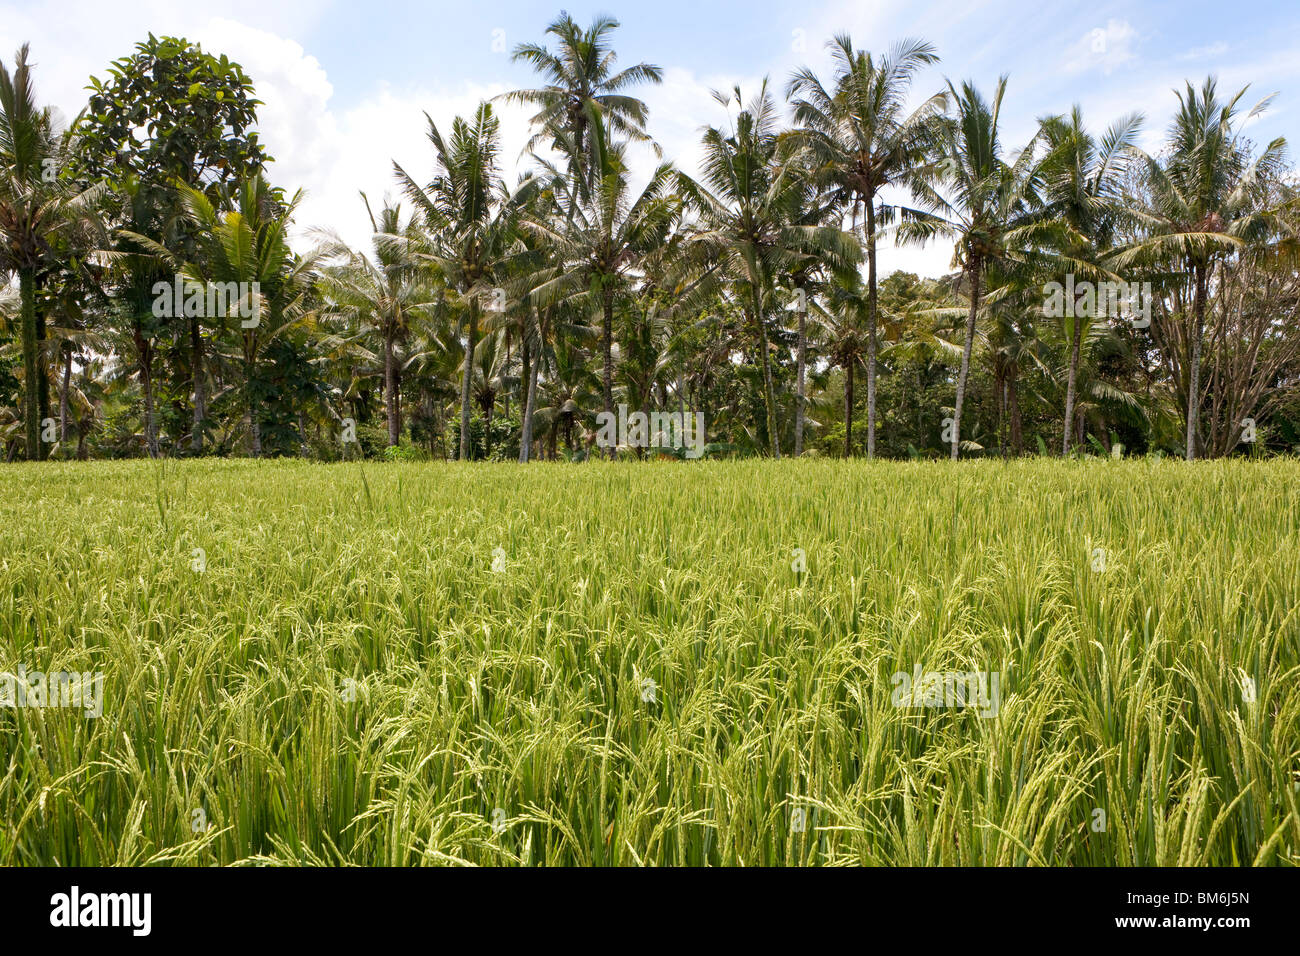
{"x": 497, "y": 320}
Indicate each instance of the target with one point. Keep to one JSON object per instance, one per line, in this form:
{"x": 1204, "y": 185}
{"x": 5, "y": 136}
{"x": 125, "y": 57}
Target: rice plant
{"x": 652, "y": 664}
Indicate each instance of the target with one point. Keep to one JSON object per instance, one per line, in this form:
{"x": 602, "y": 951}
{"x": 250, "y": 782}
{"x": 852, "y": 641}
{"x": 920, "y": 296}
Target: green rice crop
{"x": 632, "y": 664}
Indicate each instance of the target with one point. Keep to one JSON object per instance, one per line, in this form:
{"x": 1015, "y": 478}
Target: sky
{"x": 345, "y": 86}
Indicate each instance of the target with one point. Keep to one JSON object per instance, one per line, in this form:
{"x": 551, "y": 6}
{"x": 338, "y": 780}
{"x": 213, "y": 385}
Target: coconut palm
{"x": 841, "y": 330}
{"x": 568, "y": 397}
{"x": 385, "y": 291}
{"x": 36, "y": 203}
{"x": 584, "y": 98}
{"x": 597, "y": 244}
{"x": 469, "y": 224}
{"x": 531, "y": 323}
{"x": 492, "y": 377}
{"x": 1205, "y": 201}
{"x": 805, "y": 277}
{"x": 747, "y": 209}
{"x": 992, "y": 207}
{"x": 432, "y": 373}
{"x": 64, "y": 346}
{"x": 1012, "y": 344}
{"x": 864, "y": 140}
{"x": 1083, "y": 179}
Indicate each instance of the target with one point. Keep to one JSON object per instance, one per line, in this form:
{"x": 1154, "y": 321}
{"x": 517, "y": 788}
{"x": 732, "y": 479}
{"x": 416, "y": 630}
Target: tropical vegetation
{"x": 497, "y": 319}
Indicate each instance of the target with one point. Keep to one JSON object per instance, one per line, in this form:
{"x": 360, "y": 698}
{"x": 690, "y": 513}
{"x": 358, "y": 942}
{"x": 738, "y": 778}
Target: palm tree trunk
{"x": 200, "y": 387}
{"x": 643, "y": 451}
{"x": 250, "y": 413}
{"x": 391, "y": 396}
{"x": 42, "y": 380}
{"x": 31, "y": 383}
{"x": 466, "y": 380}
{"x": 848, "y": 409}
{"x": 1194, "y": 374}
{"x": 530, "y": 409}
{"x": 871, "y": 329}
{"x": 974, "y": 273}
{"x": 1071, "y": 378}
{"x": 607, "y": 345}
{"x": 150, "y": 434}
{"x": 1002, "y": 414}
{"x": 505, "y": 392}
{"x": 1017, "y": 433}
{"x": 254, "y": 430}
{"x": 681, "y": 389}
{"x": 526, "y": 384}
{"x": 64, "y": 386}
{"x": 769, "y": 394}
{"x": 145, "y": 350}
{"x": 800, "y": 374}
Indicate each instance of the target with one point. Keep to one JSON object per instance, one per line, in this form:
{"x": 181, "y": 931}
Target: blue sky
{"x": 346, "y": 85}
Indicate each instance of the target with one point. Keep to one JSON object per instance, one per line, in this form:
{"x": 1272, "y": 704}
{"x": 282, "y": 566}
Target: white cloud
{"x": 295, "y": 124}
{"x": 75, "y": 39}
{"x": 330, "y": 155}
{"x": 1103, "y": 48}
{"x": 929, "y": 262}
{"x": 680, "y": 108}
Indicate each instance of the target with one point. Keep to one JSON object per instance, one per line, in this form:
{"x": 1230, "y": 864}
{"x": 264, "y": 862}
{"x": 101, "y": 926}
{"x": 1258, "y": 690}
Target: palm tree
{"x": 842, "y": 334}
{"x": 598, "y": 243}
{"x": 492, "y": 378}
{"x": 584, "y": 98}
{"x": 1204, "y": 202}
{"x": 1083, "y": 178}
{"x": 65, "y": 345}
{"x": 35, "y": 204}
{"x": 806, "y": 276}
{"x": 570, "y": 391}
{"x": 469, "y": 222}
{"x": 747, "y": 209}
{"x": 432, "y": 372}
{"x": 386, "y": 291}
{"x": 1012, "y": 342}
{"x": 993, "y": 211}
{"x": 864, "y": 140}
{"x": 525, "y": 319}
{"x": 1098, "y": 400}
{"x": 86, "y": 400}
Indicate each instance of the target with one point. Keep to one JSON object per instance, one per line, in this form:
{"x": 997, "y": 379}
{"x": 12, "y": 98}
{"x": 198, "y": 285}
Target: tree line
{"x": 1102, "y": 300}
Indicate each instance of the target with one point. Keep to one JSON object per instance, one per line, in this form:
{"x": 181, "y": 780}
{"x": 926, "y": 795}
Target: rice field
{"x": 653, "y": 664}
